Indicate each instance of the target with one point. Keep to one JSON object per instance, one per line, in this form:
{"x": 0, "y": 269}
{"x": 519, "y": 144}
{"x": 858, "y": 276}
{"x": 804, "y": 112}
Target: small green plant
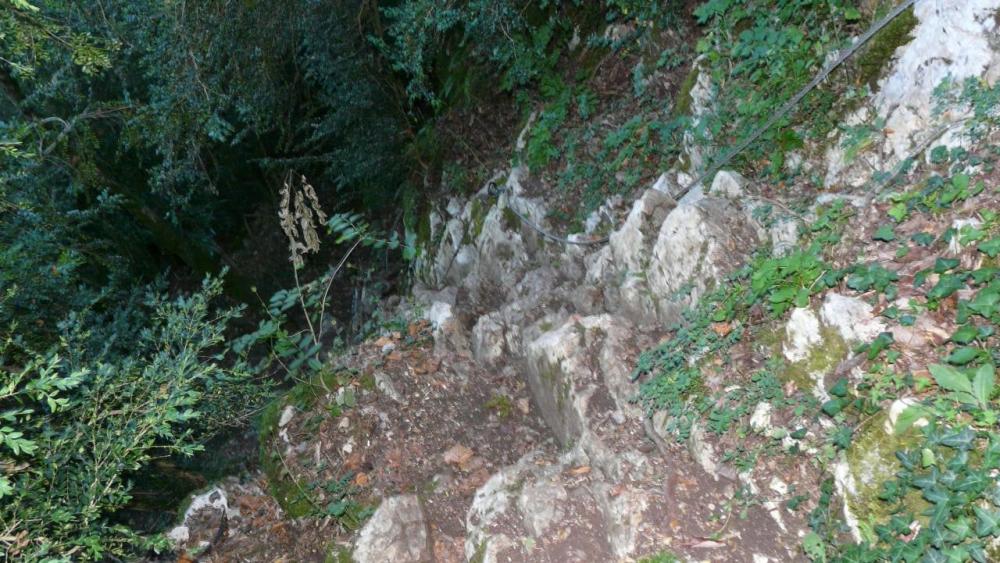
{"x": 342, "y": 506}
{"x": 500, "y": 404}
{"x": 661, "y": 557}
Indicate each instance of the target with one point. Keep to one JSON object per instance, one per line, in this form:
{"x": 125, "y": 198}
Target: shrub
{"x": 76, "y": 420}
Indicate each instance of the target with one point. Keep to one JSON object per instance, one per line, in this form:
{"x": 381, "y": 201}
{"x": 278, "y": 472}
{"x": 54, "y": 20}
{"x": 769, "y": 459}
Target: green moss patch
{"x": 822, "y": 359}
{"x": 511, "y": 222}
{"x": 883, "y": 45}
{"x": 283, "y": 487}
{"x": 684, "y": 100}
{"x": 871, "y": 461}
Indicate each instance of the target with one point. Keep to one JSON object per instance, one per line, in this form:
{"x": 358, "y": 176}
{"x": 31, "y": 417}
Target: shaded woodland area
{"x": 145, "y": 146}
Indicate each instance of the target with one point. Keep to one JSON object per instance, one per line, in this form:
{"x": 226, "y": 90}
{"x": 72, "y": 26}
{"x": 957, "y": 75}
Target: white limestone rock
{"x": 851, "y": 317}
{"x": 802, "y": 334}
{"x": 398, "y": 532}
{"x": 542, "y": 504}
{"x": 953, "y": 39}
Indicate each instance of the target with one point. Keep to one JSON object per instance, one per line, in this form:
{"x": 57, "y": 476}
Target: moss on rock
{"x": 684, "y": 100}
{"x": 883, "y": 45}
{"x": 511, "y": 222}
{"x": 282, "y": 486}
{"x": 822, "y": 358}
{"x": 870, "y": 462}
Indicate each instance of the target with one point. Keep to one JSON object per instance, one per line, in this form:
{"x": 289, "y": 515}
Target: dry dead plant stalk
{"x": 300, "y": 214}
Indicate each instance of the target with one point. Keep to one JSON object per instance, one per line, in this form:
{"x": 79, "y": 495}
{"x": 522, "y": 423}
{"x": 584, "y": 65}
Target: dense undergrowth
{"x": 147, "y": 145}
{"x": 937, "y": 500}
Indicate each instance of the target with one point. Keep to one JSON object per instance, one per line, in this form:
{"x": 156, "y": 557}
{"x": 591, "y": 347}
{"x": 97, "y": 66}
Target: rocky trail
{"x": 499, "y": 422}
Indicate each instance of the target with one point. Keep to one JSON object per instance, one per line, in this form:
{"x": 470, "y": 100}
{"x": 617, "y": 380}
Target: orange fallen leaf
{"x": 582, "y": 470}
{"x": 362, "y": 480}
{"x": 722, "y": 329}
{"x": 353, "y": 461}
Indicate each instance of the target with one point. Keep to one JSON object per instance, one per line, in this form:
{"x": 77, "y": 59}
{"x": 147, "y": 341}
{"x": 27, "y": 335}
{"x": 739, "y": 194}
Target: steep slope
{"x": 782, "y": 341}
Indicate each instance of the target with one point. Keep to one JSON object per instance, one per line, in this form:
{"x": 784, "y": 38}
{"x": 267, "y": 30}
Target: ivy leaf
{"x": 960, "y": 527}
{"x": 841, "y": 437}
{"x": 985, "y": 302}
{"x": 987, "y": 521}
{"x": 977, "y": 553}
{"x": 936, "y": 495}
{"x": 947, "y": 285}
{"x": 963, "y": 355}
{"x": 881, "y": 343}
{"x": 942, "y": 265}
{"x": 833, "y": 406}
{"x": 959, "y": 439}
{"x": 885, "y": 234}
{"x": 934, "y": 556}
{"x": 965, "y": 334}
{"x": 927, "y": 458}
{"x": 991, "y": 247}
{"x": 927, "y": 480}
{"x": 898, "y": 212}
{"x": 923, "y": 239}
{"x": 983, "y": 275}
{"x": 950, "y": 378}
{"x": 840, "y": 388}
{"x": 974, "y": 482}
{"x": 960, "y": 181}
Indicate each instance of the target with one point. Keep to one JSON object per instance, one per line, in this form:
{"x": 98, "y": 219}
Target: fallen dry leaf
{"x": 722, "y": 329}
{"x": 458, "y": 455}
{"x": 523, "y": 405}
{"x": 353, "y": 461}
{"x": 582, "y": 470}
{"x": 472, "y": 464}
{"x": 415, "y": 328}
{"x": 361, "y": 480}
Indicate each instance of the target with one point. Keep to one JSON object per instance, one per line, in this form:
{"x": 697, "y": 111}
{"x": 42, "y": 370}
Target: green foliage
{"x": 513, "y": 37}
{"x": 865, "y": 277}
{"x": 661, "y": 557}
{"x": 960, "y": 494}
{"x": 78, "y": 419}
{"x": 879, "y": 52}
{"x": 777, "y": 283}
{"x": 760, "y": 53}
{"x": 541, "y": 148}
{"x": 501, "y": 405}
{"x": 948, "y": 472}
